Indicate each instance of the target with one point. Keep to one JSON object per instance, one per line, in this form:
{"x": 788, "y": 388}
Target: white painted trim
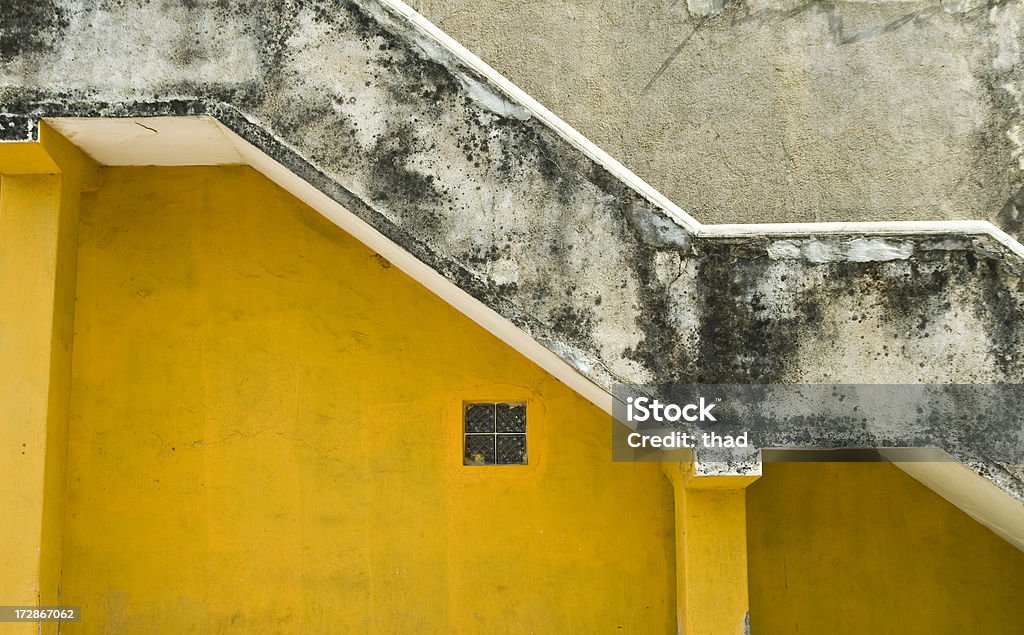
{"x": 880, "y": 228}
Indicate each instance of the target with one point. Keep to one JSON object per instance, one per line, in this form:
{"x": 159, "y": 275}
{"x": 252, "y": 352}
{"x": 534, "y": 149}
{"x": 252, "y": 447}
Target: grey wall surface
{"x": 779, "y": 110}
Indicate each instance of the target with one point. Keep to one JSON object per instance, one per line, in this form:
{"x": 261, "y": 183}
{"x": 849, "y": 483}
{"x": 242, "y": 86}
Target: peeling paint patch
{"x": 856, "y": 250}
{"x": 783, "y": 249}
{"x": 949, "y": 244}
{"x": 659, "y": 231}
{"x": 877, "y": 249}
{"x": 491, "y": 99}
{"x": 704, "y": 8}
{"x": 576, "y": 358}
{"x": 504, "y": 271}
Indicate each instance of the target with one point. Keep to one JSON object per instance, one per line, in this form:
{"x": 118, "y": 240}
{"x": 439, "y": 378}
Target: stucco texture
{"x": 779, "y": 110}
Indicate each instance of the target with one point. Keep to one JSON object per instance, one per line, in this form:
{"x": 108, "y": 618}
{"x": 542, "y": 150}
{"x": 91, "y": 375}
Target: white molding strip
{"x": 869, "y": 228}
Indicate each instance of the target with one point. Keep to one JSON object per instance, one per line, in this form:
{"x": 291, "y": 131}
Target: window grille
{"x": 494, "y": 434}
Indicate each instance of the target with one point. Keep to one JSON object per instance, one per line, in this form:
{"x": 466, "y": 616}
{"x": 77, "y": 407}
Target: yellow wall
{"x": 863, "y": 548}
{"x": 265, "y": 437}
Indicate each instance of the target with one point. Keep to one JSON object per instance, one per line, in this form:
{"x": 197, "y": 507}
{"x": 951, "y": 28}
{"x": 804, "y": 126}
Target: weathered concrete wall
{"x": 779, "y": 110}
{"x": 392, "y": 125}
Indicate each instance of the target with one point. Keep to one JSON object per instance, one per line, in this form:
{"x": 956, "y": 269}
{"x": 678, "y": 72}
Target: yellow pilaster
{"x": 711, "y": 552}
{"x": 38, "y": 259}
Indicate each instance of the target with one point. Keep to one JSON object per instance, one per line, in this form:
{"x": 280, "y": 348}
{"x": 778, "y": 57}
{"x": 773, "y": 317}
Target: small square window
{"x": 494, "y": 434}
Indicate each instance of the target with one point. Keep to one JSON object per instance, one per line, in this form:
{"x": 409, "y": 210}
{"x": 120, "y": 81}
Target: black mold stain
{"x": 555, "y": 168}
{"x": 1002, "y": 311}
{"x": 740, "y": 342}
{"x": 914, "y": 293}
{"x": 416, "y": 80}
{"x": 29, "y": 26}
{"x": 661, "y": 350}
{"x": 576, "y": 324}
{"x": 395, "y": 182}
{"x": 15, "y": 128}
{"x": 189, "y": 51}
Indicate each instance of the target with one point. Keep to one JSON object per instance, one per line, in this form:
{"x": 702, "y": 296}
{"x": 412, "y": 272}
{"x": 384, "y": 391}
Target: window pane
{"x": 511, "y": 449}
{"x": 511, "y": 417}
{"x": 479, "y": 450}
{"x": 480, "y": 417}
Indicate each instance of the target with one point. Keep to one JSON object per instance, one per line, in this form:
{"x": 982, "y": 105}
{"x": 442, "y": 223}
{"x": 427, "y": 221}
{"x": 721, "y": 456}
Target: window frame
{"x": 495, "y": 434}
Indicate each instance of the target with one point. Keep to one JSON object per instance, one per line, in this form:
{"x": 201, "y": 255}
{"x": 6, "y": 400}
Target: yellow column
{"x": 40, "y": 185}
{"x": 711, "y": 552}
